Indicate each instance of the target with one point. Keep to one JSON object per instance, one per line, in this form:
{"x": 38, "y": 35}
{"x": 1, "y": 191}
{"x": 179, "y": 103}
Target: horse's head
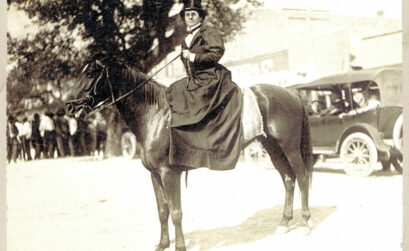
{"x": 113, "y": 80}
{"x": 99, "y": 90}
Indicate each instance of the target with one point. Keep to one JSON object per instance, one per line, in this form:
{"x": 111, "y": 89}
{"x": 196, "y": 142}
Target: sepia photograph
{"x": 198, "y": 125}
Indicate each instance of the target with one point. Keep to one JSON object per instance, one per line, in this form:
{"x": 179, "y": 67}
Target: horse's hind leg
{"x": 283, "y": 167}
{"x": 171, "y": 185}
{"x": 303, "y": 179}
{"x": 163, "y": 211}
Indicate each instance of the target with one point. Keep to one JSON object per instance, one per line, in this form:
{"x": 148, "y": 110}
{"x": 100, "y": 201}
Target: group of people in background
{"x": 52, "y": 135}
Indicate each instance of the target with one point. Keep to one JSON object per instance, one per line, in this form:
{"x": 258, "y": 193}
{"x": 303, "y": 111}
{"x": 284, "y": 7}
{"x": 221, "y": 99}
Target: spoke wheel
{"x": 128, "y": 145}
{"x": 359, "y": 155}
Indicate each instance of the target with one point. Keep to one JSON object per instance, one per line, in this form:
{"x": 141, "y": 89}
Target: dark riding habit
{"x": 205, "y": 129}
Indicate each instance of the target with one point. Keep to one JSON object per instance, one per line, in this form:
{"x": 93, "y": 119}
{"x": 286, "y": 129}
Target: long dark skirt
{"x": 206, "y": 127}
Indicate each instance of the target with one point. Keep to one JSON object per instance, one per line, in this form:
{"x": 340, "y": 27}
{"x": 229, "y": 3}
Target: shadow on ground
{"x": 259, "y": 226}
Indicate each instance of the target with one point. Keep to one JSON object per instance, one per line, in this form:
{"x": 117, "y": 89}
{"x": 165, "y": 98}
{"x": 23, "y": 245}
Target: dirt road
{"x": 84, "y": 204}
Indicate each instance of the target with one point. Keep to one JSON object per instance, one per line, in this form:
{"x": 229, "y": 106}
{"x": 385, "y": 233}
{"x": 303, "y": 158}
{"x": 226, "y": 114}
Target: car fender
{"x": 372, "y": 132}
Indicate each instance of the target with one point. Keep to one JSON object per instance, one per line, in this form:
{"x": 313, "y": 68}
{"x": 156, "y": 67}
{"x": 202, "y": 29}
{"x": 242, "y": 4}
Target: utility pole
{"x": 309, "y": 16}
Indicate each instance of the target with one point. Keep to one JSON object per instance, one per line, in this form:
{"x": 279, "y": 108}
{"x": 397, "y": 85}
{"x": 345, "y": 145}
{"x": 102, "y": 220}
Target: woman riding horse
{"x": 206, "y": 105}
{"x": 205, "y": 126}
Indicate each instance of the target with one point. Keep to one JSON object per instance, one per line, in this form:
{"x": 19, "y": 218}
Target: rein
{"x": 104, "y": 104}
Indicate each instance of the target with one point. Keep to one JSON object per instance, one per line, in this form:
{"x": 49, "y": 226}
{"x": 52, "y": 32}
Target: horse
{"x": 143, "y": 105}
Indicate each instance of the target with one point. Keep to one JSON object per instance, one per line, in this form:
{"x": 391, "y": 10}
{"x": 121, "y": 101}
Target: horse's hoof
{"x": 282, "y": 230}
{"x": 305, "y": 230}
{"x": 180, "y": 249}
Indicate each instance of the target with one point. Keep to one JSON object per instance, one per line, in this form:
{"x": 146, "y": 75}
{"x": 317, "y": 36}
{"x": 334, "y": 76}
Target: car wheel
{"x": 128, "y": 145}
{"x": 398, "y": 133}
{"x": 256, "y": 155}
{"x": 358, "y": 154}
{"x": 397, "y": 163}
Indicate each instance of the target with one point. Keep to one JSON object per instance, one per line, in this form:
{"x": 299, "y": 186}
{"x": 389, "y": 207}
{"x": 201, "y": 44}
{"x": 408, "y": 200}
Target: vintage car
{"x": 357, "y": 116}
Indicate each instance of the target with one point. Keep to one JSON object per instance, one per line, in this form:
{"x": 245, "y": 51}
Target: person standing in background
{"x": 53, "y": 139}
{"x": 101, "y": 128}
{"x": 82, "y": 134}
{"x": 26, "y": 138}
{"x": 72, "y": 139}
{"x": 47, "y": 130}
{"x": 36, "y": 140}
{"x": 11, "y": 133}
{"x": 91, "y": 135}
{"x": 20, "y": 151}
{"x": 62, "y": 133}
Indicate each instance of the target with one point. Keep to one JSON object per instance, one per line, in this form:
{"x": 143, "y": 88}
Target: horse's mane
{"x": 151, "y": 92}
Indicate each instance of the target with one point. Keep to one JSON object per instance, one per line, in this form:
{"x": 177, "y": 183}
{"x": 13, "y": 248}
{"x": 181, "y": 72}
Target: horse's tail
{"x": 306, "y": 147}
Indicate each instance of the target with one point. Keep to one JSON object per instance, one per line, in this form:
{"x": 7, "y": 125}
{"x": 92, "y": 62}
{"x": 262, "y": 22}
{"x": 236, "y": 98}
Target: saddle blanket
{"x": 251, "y": 118}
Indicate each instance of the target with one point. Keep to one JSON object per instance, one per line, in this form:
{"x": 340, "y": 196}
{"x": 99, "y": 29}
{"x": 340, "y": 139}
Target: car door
{"x": 325, "y": 131}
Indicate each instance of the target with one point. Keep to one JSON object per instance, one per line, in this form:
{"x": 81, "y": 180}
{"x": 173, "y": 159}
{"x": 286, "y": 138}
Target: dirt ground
{"x": 89, "y": 204}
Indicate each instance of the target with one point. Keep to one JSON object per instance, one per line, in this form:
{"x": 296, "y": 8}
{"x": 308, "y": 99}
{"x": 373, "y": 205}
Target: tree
{"x": 40, "y": 66}
{"x": 140, "y": 32}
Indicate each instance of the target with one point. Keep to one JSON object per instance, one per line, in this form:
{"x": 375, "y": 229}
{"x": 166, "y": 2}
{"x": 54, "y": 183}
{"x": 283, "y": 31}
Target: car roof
{"x": 343, "y": 78}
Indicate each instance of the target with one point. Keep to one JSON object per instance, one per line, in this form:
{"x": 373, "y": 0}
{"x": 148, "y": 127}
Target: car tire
{"x": 359, "y": 155}
{"x": 128, "y": 145}
{"x": 398, "y": 133}
{"x": 256, "y": 155}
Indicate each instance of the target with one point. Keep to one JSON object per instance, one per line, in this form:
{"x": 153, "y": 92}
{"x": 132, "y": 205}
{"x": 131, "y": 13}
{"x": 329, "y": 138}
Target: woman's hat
{"x": 193, "y": 5}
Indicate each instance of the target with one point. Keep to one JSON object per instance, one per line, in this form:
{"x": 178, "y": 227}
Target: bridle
{"x": 88, "y": 101}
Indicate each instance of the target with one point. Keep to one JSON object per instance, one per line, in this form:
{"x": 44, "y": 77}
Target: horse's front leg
{"x": 171, "y": 184}
{"x": 163, "y": 211}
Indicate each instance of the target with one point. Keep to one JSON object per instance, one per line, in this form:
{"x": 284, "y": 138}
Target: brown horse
{"x": 143, "y": 106}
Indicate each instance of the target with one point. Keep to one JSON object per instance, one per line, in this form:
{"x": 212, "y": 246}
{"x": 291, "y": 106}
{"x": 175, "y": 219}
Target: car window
{"x": 365, "y": 94}
{"x": 324, "y": 102}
